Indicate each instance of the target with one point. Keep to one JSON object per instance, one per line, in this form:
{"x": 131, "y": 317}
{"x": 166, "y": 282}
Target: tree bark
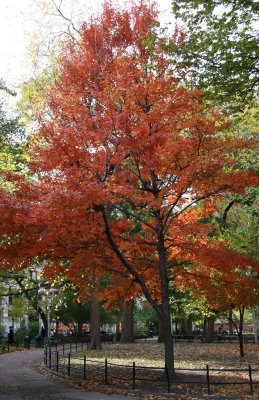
{"x": 79, "y": 318}
{"x": 161, "y": 334}
{"x": 95, "y": 342}
{"x": 127, "y": 335}
{"x": 169, "y": 346}
{"x": 165, "y": 306}
{"x": 240, "y": 331}
{"x": 43, "y": 317}
{"x": 209, "y": 329}
{"x": 230, "y": 321}
{"x": 185, "y": 322}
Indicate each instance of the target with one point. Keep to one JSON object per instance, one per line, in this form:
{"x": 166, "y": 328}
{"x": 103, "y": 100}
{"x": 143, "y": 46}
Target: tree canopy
{"x": 219, "y": 48}
{"x": 128, "y": 166}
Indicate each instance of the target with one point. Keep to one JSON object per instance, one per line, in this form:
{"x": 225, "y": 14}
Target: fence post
{"x": 208, "y": 378}
{"x": 57, "y": 360}
{"x": 63, "y": 349}
{"x": 106, "y": 372}
{"x": 45, "y": 356}
{"x": 133, "y": 375}
{"x": 250, "y": 380}
{"x": 68, "y": 365}
{"x": 168, "y": 380}
{"x": 84, "y": 367}
{"x": 49, "y": 358}
{"x": 70, "y": 346}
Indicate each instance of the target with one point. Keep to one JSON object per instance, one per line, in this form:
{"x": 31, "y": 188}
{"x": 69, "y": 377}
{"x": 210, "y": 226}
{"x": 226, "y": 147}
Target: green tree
{"x": 11, "y": 137}
{"x": 220, "y": 47}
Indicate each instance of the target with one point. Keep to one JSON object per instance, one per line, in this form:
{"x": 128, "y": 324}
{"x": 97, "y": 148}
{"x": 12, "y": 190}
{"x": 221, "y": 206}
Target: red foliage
{"x": 128, "y": 162}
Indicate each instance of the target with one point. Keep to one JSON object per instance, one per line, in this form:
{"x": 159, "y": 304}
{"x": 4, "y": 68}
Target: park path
{"x": 20, "y": 380}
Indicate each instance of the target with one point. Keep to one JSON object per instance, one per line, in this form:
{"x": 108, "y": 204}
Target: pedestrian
{"x": 43, "y": 332}
{"x": 10, "y": 335}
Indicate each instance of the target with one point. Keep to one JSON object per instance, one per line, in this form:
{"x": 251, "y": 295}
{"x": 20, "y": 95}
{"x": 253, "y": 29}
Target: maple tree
{"x": 223, "y": 284}
{"x": 126, "y": 166}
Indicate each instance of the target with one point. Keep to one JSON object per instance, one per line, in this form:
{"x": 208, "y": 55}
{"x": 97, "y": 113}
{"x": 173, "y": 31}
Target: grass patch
{"x": 187, "y": 355}
{"x": 191, "y": 356}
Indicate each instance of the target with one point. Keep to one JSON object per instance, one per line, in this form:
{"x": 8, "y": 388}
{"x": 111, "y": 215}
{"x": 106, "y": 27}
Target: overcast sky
{"x": 19, "y": 20}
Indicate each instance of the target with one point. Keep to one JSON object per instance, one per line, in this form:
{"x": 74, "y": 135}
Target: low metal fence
{"x": 64, "y": 361}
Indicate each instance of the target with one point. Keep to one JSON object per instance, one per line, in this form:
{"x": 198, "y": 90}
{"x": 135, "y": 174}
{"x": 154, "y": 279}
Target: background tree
{"x": 127, "y": 331}
{"x": 145, "y": 319}
{"x": 11, "y": 137}
{"x": 219, "y": 47}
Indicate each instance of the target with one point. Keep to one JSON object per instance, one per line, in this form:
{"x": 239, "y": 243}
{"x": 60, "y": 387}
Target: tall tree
{"x": 129, "y": 164}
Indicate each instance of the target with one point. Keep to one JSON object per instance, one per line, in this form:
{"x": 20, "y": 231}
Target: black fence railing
{"x": 54, "y": 341}
{"x": 217, "y": 338}
{"x": 64, "y": 361}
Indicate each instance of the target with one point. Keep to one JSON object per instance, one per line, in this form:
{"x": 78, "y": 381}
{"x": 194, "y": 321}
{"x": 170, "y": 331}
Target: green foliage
{"x": 241, "y": 227}
{"x": 110, "y": 316}
{"x": 245, "y": 125}
{"x": 183, "y": 305}
{"x": 2, "y": 332}
{"x": 11, "y": 138}
{"x": 69, "y": 310}
{"x": 31, "y": 330}
{"x": 4, "y": 88}
{"x": 220, "y": 47}
{"x": 250, "y": 201}
{"x": 32, "y": 100}
{"x": 145, "y": 320}
{"x": 18, "y": 308}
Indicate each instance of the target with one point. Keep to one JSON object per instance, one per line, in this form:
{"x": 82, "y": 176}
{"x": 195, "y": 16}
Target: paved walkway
{"x": 20, "y": 380}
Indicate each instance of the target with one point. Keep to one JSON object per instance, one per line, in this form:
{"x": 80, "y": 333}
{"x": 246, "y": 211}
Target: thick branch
{"x": 129, "y": 267}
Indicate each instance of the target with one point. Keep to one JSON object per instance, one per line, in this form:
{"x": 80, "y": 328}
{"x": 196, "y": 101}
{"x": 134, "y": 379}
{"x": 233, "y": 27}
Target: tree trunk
{"x": 118, "y": 332}
{"x": 127, "y": 335}
{"x": 240, "y": 331}
{"x": 79, "y": 318}
{"x": 209, "y": 329}
{"x": 165, "y": 306}
{"x": 176, "y": 326}
{"x": 185, "y": 322}
{"x": 43, "y": 317}
{"x": 169, "y": 346}
{"x": 230, "y": 321}
{"x": 164, "y": 310}
{"x": 95, "y": 325}
{"x": 57, "y": 326}
{"x": 161, "y": 333}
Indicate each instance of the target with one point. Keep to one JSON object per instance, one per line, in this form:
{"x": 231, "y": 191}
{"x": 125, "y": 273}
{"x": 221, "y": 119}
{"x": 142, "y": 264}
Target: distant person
{"x": 11, "y": 335}
{"x": 43, "y": 332}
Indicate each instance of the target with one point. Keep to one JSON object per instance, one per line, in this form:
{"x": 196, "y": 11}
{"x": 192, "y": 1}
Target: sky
{"x": 20, "y": 20}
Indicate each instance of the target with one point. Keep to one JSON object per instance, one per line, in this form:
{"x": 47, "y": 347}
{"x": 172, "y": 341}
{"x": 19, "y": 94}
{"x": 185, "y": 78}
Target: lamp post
{"x": 48, "y": 295}
{"x": 256, "y": 323}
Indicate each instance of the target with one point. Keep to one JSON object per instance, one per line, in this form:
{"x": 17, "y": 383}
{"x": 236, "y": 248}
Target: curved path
{"x": 20, "y": 380}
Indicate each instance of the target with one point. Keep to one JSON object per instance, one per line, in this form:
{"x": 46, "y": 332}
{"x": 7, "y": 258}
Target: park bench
{"x": 249, "y": 338}
{"x": 183, "y": 338}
